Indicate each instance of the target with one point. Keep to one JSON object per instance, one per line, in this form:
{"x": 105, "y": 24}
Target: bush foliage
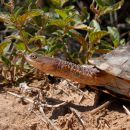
{"x": 74, "y": 30}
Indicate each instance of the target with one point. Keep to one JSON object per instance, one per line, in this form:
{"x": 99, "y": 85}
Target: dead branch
{"x": 47, "y": 119}
{"x": 55, "y": 106}
{"x": 78, "y": 116}
{"x": 40, "y": 117}
{"x": 69, "y": 121}
{"x": 42, "y": 105}
{"x": 105, "y": 105}
{"x": 22, "y": 97}
{"x": 126, "y": 110}
{"x": 79, "y": 90}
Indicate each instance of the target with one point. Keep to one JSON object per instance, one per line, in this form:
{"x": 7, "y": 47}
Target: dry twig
{"x": 69, "y": 122}
{"x": 47, "y": 119}
{"x": 41, "y": 106}
{"x": 126, "y": 110}
{"x": 78, "y": 116}
{"x": 79, "y": 90}
{"x": 41, "y": 118}
{"x": 105, "y": 105}
{"x": 31, "y": 101}
{"x": 22, "y": 97}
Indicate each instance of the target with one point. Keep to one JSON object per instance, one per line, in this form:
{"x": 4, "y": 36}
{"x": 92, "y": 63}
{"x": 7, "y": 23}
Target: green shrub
{"x": 57, "y": 28}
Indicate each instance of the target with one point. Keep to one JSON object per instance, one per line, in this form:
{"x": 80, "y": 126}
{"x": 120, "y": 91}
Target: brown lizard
{"x": 89, "y": 75}
{"x": 106, "y": 71}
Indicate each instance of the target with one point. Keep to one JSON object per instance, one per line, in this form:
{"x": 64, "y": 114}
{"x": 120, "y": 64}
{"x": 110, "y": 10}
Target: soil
{"x": 76, "y": 114}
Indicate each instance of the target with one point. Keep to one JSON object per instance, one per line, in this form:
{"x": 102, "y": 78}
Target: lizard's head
{"x": 40, "y": 62}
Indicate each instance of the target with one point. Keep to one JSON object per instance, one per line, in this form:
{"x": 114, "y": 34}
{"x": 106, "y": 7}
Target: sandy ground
{"x": 79, "y": 113}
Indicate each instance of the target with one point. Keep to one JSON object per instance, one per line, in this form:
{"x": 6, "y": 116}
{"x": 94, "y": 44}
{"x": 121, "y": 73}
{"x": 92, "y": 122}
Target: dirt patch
{"x": 76, "y": 114}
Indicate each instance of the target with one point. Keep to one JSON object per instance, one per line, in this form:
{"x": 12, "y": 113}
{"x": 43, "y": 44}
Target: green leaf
{"x": 56, "y": 2}
{"x": 102, "y": 3}
{"x": 5, "y": 18}
{"x": 63, "y": 2}
{"x": 106, "y": 45}
{"x": 85, "y": 15}
{"x": 82, "y": 27}
{"x": 109, "y": 9}
{"x": 20, "y": 46}
{"x": 59, "y": 3}
{"x": 60, "y": 22}
{"x": 96, "y": 25}
{"x": 115, "y": 35}
{"x": 5, "y": 60}
{"x": 55, "y": 48}
{"x": 116, "y": 43}
{"x": 122, "y": 42}
{"x": 127, "y": 20}
{"x": 35, "y": 38}
{"x": 3, "y": 45}
{"x": 17, "y": 11}
{"x": 95, "y": 37}
{"x": 17, "y": 37}
{"x": 62, "y": 13}
{"x": 28, "y": 16}
{"x": 25, "y": 34}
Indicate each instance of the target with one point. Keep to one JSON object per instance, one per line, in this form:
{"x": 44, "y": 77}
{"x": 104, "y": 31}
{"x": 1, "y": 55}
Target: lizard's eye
{"x": 33, "y": 56}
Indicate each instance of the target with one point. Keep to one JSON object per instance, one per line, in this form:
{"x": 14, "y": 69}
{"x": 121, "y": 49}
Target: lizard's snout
{"x": 27, "y": 57}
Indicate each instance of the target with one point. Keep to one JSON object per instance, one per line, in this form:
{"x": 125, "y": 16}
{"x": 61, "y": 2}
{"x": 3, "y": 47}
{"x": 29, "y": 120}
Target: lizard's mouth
{"x": 29, "y": 59}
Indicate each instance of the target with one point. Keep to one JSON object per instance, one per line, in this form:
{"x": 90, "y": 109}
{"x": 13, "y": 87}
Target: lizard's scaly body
{"x": 89, "y": 75}
{"x": 88, "y": 70}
